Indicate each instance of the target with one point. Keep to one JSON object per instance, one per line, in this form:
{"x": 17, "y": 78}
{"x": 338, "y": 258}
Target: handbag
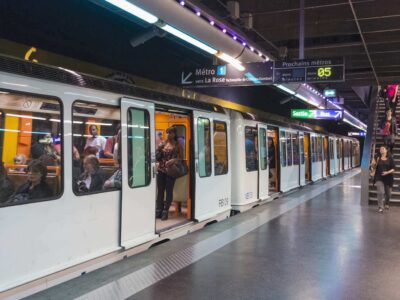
{"x": 372, "y": 169}
{"x": 177, "y": 169}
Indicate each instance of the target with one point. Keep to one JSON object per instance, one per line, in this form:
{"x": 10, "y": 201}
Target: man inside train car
{"x": 110, "y": 144}
{"x": 36, "y": 187}
{"x": 96, "y": 141}
{"x": 92, "y": 179}
{"x": 6, "y": 185}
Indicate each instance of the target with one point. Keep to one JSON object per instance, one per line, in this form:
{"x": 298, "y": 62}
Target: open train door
{"x": 212, "y": 164}
{"x": 138, "y": 172}
{"x": 263, "y": 169}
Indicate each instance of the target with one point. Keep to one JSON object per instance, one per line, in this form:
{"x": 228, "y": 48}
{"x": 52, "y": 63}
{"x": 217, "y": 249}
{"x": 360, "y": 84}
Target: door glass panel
{"x": 251, "y": 145}
{"x": 295, "y": 149}
{"x": 289, "y": 148}
{"x": 302, "y": 150}
{"x": 138, "y": 142}
{"x": 263, "y": 149}
{"x": 283, "y": 148}
{"x": 220, "y": 148}
{"x": 204, "y": 148}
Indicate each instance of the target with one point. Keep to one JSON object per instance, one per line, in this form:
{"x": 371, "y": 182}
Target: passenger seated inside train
{"x": 44, "y": 150}
{"x": 95, "y": 141}
{"x": 111, "y": 143}
{"x": 115, "y": 181}
{"x": 35, "y": 187}
{"x": 92, "y": 179}
{"x": 6, "y": 185}
{"x": 19, "y": 159}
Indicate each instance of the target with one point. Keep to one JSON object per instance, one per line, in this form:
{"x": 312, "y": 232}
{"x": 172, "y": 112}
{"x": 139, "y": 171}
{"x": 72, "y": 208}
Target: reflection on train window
{"x": 251, "y": 144}
{"x": 302, "y": 150}
{"x": 204, "y": 148}
{"x": 30, "y": 148}
{"x": 289, "y": 149}
{"x": 95, "y": 154}
{"x": 283, "y": 148}
{"x": 295, "y": 149}
{"x": 220, "y": 148}
{"x": 139, "y": 163}
{"x": 263, "y": 149}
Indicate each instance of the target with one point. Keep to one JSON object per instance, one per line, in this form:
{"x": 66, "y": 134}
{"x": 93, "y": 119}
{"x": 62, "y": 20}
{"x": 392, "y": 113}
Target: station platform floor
{"x": 315, "y": 243}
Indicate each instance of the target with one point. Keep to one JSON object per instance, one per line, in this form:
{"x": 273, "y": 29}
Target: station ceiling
{"x": 88, "y": 32}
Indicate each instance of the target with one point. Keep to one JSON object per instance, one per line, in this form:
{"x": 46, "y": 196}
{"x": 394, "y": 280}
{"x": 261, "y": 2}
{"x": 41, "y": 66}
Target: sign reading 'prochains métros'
{"x": 309, "y": 70}
{"x": 227, "y": 75}
{"x": 326, "y": 114}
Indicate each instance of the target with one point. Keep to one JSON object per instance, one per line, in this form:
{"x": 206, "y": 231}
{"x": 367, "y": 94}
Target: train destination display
{"x": 325, "y": 114}
{"x": 265, "y": 73}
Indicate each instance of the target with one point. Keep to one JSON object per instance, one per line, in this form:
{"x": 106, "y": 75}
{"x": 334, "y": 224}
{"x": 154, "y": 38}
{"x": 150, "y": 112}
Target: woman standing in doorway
{"x": 384, "y": 178}
{"x": 167, "y": 153}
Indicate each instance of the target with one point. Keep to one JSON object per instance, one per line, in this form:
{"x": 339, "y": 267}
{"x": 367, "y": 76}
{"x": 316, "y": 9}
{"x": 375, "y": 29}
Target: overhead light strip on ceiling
{"x": 148, "y": 17}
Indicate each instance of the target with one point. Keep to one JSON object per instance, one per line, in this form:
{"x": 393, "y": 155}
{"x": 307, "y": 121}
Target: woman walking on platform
{"x": 384, "y": 178}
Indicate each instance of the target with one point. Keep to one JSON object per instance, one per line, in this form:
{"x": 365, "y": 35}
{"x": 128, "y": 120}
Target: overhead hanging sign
{"x": 357, "y": 133}
{"x": 265, "y": 73}
{"x": 325, "y": 114}
{"x": 330, "y": 93}
{"x": 227, "y": 75}
{"x": 309, "y": 70}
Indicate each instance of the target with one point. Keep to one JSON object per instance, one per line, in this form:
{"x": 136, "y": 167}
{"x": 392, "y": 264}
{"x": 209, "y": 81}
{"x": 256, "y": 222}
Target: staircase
{"x": 377, "y": 141}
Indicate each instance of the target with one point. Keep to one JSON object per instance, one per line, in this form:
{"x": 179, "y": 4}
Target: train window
{"x": 295, "y": 141}
{"x": 139, "y": 163}
{"x": 263, "y": 149}
{"x": 220, "y": 148}
{"x": 331, "y": 154}
{"x": 337, "y": 149}
{"x": 30, "y": 147}
{"x": 289, "y": 149}
{"x": 283, "y": 148}
{"x": 312, "y": 149}
{"x": 302, "y": 158}
{"x": 251, "y": 145}
{"x": 95, "y": 151}
{"x": 204, "y": 146}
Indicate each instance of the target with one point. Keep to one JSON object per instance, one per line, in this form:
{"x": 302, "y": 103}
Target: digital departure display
{"x": 317, "y": 70}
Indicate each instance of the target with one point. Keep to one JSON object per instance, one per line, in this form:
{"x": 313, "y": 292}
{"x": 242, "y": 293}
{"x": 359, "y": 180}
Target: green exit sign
{"x": 330, "y": 93}
{"x": 303, "y": 113}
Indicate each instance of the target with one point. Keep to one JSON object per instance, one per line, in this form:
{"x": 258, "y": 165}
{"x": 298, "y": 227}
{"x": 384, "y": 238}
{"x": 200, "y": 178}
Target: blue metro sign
{"x": 329, "y": 114}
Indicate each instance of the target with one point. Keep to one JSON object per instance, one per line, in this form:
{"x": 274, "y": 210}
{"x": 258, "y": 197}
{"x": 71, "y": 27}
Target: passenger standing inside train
{"x": 384, "y": 177}
{"x": 6, "y": 186}
{"x": 110, "y": 144}
{"x": 95, "y": 141}
{"x": 91, "y": 179}
{"x": 36, "y": 186}
{"x": 271, "y": 159}
{"x": 167, "y": 153}
{"x": 389, "y": 129}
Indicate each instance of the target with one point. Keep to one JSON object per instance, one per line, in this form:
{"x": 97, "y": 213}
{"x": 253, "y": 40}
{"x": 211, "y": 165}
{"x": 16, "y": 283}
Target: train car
{"x": 79, "y": 167}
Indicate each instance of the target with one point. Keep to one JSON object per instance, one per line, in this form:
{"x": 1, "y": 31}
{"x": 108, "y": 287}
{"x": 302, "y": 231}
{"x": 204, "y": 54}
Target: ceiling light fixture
{"x": 134, "y": 10}
{"x": 233, "y": 61}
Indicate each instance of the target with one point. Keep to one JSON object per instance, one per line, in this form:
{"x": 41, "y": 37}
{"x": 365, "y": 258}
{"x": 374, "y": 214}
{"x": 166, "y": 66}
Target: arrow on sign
{"x": 185, "y": 79}
{"x": 338, "y": 115}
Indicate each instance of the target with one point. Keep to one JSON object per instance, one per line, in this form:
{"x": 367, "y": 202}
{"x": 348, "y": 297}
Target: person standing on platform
{"x": 389, "y": 129}
{"x": 384, "y": 177}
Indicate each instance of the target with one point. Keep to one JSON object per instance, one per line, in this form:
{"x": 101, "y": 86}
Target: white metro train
{"x": 54, "y": 228}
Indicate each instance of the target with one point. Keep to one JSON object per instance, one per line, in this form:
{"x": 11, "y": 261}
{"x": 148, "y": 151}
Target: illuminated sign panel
{"x": 360, "y": 133}
{"x": 330, "y": 93}
{"x": 306, "y": 70}
{"x": 322, "y": 114}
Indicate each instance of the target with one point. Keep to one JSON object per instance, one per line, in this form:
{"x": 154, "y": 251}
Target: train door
{"x": 138, "y": 172}
{"x": 263, "y": 170}
{"x": 273, "y": 160}
{"x": 212, "y": 167}
{"x": 180, "y": 209}
{"x": 307, "y": 157}
{"x": 332, "y": 155}
{"x": 302, "y": 179}
{"x": 351, "y": 158}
